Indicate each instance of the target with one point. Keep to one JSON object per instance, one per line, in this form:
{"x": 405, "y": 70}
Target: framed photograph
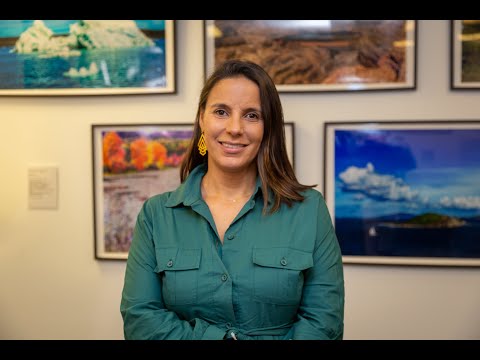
{"x": 319, "y": 55}
{"x": 465, "y": 54}
{"x": 405, "y": 192}
{"x": 87, "y": 57}
{"x": 131, "y": 163}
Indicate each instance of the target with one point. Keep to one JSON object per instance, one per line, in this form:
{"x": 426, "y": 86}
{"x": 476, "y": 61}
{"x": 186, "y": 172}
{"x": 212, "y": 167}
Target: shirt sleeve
{"x": 143, "y": 311}
{"x": 321, "y": 312}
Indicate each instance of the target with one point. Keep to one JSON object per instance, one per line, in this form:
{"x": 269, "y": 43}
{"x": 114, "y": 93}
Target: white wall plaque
{"x": 42, "y": 187}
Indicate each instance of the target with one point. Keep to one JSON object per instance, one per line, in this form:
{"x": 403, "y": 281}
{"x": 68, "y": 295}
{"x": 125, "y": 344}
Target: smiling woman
{"x": 232, "y": 125}
{"x": 240, "y": 250}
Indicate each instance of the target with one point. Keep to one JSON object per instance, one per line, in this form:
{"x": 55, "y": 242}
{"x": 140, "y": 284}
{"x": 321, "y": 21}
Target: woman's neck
{"x": 230, "y": 187}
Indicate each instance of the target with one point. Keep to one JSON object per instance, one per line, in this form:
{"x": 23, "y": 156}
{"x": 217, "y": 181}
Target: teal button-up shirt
{"x": 276, "y": 276}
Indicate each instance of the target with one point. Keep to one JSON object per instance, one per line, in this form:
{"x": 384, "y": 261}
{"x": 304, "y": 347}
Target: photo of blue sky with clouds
{"x": 407, "y": 171}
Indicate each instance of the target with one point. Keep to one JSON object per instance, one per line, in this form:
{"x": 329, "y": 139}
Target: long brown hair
{"x": 274, "y": 168}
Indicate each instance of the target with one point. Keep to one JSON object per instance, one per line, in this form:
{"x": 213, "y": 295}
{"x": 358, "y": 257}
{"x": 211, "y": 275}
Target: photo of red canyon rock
{"x": 319, "y": 52}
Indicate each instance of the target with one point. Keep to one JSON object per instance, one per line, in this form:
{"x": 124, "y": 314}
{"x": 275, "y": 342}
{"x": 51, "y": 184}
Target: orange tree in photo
{"x": 157, "y": 154}
{"x": 114, "y": 153}
{"x": 139, "y": 154}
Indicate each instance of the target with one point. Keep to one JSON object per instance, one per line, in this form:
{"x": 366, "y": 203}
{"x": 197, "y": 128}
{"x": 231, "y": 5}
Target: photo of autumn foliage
{"x": 132, "y": 151}
{"x": 131, "y": 164}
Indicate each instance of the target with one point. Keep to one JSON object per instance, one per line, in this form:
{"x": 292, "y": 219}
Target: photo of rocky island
{"x": 320, "y": 55}
{"x": 406, "y": 191}
{"x": 62, "y": 57}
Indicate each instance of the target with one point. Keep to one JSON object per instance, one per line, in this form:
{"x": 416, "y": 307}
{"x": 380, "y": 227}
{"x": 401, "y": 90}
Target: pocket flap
{"x": 283, "y": 258}
{"x": 177, "y": 259}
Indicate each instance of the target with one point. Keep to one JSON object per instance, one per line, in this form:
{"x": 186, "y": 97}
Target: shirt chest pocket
{"x": 278, "y": 274}
{"x": 178, "y": 269}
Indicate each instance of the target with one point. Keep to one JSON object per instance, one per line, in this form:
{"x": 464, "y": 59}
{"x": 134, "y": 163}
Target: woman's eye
{"x": 220, "y": 112}
{"x": 252, "y": 116}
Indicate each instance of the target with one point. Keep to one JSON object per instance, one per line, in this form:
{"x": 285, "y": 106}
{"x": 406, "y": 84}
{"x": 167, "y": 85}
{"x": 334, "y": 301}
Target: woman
{"x": 240, "y": 250}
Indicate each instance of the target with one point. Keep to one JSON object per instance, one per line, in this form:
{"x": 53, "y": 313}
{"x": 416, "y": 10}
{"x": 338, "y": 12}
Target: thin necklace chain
{"x": 207, "y": 193}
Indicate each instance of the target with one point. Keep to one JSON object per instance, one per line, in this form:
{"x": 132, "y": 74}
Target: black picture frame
{"x": 131, "y": 162}
{"x": 313, "y": 56}
{"x": 464, "y": 54}
{"x": 404, "y": 192}
{"x": 87, "y": 57}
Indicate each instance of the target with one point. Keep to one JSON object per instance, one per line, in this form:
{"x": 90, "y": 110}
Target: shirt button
{"x": 170, "y": 263}
{"x": 283, "y": 261}
{"x": 224, "y": 277}
{"x": 231, "y": 237}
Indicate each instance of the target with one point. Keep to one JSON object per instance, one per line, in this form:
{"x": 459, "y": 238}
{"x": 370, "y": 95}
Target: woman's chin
{"x": 234, "y": 166}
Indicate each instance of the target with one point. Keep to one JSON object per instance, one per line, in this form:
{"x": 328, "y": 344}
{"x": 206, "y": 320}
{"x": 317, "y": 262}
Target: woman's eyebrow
{"x": 222, "y": 105}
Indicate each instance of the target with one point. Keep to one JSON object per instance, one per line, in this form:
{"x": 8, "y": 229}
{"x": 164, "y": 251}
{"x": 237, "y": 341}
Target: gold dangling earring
{"x": 202, "y": 146}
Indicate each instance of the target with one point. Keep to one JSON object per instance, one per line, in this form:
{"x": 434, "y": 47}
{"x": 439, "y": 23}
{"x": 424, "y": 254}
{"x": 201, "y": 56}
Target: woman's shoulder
{"x": 313, "y": 198}
{"x": 313, "y": 194}
{"x": 159, "y": 197}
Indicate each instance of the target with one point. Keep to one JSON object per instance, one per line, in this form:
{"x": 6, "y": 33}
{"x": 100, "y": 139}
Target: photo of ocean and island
{"x": 408, "y": 193}
{"x": 82, "y": 54}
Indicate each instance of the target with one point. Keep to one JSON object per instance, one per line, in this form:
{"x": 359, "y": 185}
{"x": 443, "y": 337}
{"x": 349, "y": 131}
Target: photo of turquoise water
{"x": 85, "y": 54}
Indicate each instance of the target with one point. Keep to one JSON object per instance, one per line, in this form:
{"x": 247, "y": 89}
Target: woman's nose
{"x": 234, "y": 125}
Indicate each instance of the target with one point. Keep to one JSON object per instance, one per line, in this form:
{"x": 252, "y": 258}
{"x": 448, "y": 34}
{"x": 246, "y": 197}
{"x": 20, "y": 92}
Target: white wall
{"x": 52, "y": 288}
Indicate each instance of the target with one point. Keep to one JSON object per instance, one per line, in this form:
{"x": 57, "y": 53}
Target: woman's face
{"x": 233, "y": 125}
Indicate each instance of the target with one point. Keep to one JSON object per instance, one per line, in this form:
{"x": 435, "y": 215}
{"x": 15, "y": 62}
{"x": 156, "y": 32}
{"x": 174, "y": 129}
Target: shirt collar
{"x": 189, "y": 191}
